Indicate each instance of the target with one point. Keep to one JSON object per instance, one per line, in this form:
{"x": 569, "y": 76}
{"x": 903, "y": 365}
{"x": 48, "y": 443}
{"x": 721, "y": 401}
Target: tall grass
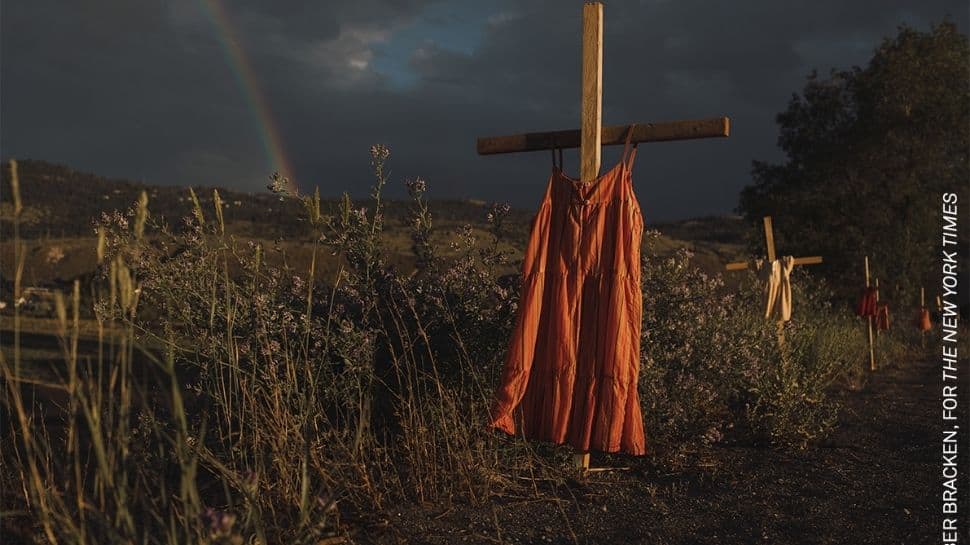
{"x": 250, "y": 402}
{"x": 232, "y": 401}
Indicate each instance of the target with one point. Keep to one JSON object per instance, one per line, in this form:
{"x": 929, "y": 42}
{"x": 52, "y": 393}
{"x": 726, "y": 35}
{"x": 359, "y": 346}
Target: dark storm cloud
{"x": 143, "y": 89}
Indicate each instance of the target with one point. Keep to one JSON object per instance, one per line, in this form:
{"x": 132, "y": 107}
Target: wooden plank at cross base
{"x": 718, "y": 127}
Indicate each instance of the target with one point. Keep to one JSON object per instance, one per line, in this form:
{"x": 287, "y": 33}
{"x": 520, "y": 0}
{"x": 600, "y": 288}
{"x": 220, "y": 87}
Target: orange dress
{"x": 571, "y": 369}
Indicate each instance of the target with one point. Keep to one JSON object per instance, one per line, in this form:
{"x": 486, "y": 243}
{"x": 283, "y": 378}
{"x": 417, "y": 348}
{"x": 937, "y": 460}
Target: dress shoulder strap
{"x": 629, "y": 152}
{"x": 556, "y": 166}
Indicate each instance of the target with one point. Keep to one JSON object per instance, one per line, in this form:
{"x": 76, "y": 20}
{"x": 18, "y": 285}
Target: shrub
{"x": 710, "y": 360}
{"x": 699, "y": 343}
{"x": 235, "y": 398}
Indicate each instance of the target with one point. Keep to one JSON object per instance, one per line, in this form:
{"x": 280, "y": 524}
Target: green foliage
{"x": 869, "y": 151}
{"x": 787, "y": 400}
{"x": 235, "y": 400}
{"x": 698, "y": 342}
{"x": 711, "y": 362}
{"x": 261, "y": 404}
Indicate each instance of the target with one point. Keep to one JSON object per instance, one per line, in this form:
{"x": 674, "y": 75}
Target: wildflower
{"x": 54, "y": 255}
{"x": 271, "y": 348}
{"x": 416, "y": 187}
{"x": 219, "y": 523}
{"x": 497, "y": 212}
{"x": 250, "y": 479}
{"x": 282, "y": 186}
{"x": 379, "y": 153}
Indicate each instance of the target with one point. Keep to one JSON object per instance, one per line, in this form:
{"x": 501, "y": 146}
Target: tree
{"x": 869, "y": 153}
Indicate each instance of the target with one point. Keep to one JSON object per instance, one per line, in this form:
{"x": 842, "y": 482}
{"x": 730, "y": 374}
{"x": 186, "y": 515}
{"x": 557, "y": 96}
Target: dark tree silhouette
{"x": 869, "y": 153}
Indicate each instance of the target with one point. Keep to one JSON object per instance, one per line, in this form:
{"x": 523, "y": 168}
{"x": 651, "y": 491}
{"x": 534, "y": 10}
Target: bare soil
{"x": 876, "y": 480}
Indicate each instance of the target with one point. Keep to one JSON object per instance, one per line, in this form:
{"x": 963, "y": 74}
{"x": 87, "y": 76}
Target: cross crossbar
{"x": 770, "y": 247}
{"x": 717, "y": 127}
{"x": 811, "y": 260}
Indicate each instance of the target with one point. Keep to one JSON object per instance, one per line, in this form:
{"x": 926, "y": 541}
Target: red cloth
{"x": 882, "y": 317}
{"x": 867, "y": 304}
{"x": 923, "y": 321}
{"x": 571, "y": 368}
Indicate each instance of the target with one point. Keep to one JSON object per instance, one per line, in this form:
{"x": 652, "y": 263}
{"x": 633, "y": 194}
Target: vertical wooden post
{"x": 592, "y": 117}
{"x": 872, "y": 350}
{"x": 769, "y": 240}
{"x": 878, "y": 332}
{"x": 922, "y": 305}
{"x": 592, "y": 101}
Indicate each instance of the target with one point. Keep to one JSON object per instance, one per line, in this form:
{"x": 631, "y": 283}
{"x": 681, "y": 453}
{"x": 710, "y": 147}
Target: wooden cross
{"x": 770, "y": 249}
{"x": 592, "y": 134}
{"x": 872, "y": 348}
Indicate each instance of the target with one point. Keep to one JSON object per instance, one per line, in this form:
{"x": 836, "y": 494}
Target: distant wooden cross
{"x": 770, "y": 250}
{"x": 592, "y": 134}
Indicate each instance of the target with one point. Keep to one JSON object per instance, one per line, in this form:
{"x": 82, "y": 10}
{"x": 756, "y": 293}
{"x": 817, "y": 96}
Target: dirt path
{"x": 875, "y": 480}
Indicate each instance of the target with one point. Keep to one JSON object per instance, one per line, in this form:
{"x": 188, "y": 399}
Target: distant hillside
{"x": 61, "y": 202}
{"x": 60, "y": 205}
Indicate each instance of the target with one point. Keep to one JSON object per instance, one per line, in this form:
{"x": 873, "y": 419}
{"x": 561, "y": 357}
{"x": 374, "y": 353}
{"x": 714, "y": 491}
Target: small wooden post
{"x": 922, "y": 305}
{"x": 591, "y": 123}
{"x": 872, "y": 350}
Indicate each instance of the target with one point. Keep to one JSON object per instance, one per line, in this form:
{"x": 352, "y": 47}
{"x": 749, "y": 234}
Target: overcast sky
{"x": 169, "y": 91}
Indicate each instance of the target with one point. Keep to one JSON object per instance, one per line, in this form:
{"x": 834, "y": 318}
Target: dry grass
{"x": 246, "y": 391}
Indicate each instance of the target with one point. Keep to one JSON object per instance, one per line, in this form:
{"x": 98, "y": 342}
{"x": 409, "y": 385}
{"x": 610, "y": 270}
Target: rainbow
{"x": 242, "y": 69}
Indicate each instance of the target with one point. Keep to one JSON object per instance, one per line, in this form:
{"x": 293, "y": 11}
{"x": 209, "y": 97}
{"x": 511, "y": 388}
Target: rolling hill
{"x": 60, "y": 205}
